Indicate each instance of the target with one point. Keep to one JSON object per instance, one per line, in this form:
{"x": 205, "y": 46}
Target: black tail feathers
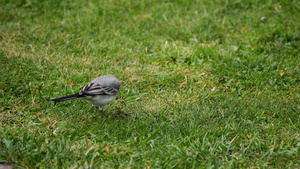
{"x": 65, "y": 98}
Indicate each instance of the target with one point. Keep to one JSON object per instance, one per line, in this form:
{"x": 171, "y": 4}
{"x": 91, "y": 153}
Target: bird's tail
{"x": 65, "y": 98}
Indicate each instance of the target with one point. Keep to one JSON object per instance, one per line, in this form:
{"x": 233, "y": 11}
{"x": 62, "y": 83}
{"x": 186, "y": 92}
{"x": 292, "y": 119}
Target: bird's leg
{"x": 100, "y": 108}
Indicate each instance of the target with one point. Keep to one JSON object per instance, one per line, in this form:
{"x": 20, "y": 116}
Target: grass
{"x": 205, "y": 84}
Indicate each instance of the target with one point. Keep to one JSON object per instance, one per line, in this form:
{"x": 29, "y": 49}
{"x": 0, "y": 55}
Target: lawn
{"x": 205, "y": 83}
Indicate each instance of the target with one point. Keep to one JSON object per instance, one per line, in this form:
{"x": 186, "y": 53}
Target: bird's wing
{"x": 97, "y": 89}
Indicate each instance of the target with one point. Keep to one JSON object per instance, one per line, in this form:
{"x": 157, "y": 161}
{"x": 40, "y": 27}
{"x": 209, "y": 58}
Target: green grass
{"x": 229, "y": 99}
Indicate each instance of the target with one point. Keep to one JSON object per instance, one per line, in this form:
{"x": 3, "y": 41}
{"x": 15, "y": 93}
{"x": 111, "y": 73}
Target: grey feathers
{"x": 104, "y": 85}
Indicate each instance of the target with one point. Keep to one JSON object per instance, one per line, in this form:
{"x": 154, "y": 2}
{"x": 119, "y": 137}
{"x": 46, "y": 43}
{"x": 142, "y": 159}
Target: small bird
{"x": 99, "y": 92}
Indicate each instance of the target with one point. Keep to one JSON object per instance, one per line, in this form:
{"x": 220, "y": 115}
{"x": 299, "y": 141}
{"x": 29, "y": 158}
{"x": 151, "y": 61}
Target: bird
{"x": 100, "y": 91}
